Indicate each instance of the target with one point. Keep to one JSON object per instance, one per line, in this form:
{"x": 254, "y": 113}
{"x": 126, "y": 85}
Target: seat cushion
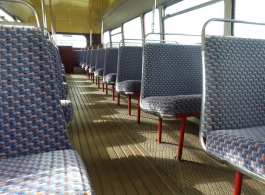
{"x": 242, "y": 147}
{"x": 128, "y": 86}
{"x": 66, "y": 89}
{"x": 87, "y": 67}
{"x": 110, "y": 78}
{"x": 99, "y": 72}
{"x": 68, "y": 111}
{"x": 92, "y": 69}
{"x": 172, "y": 105}
{"x": 56, "y": 172}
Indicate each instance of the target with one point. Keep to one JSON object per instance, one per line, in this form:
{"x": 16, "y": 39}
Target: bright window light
{"x": 76, "y": 41}
{"x": 5, "y": 17}
{"x": 252, "y": 11}
{"x": 148, "y": 19}
{"x": 192, "y": 22}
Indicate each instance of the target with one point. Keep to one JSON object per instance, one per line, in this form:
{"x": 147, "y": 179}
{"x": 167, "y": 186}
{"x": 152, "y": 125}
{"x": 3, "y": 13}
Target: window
{"x": 5, "y": 17}
{"x": 252, "y": 11}
{"x": 116, "y": 36}
{"x": 148, "y": 19}
{"x": 133, "y": 29}
{"x": 106, "y": 39}
{"x": 76, "y": 41}
{"x": 191, "y": 22}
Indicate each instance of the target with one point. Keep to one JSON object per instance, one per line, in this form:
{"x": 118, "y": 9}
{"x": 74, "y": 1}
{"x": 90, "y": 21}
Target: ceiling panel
{"x": 71, "y": 16}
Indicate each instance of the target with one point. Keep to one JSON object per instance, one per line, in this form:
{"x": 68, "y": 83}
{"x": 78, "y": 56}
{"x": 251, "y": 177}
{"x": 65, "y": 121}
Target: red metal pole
{"x": 138, "y": 108}
{"x": 103, "y": 87}
{"x": 129, "y": 104}
{"x": 113, "y": 93}
{"x": 181, "y": 136}
{"x": 159, "y": 130}
{"x": 119, "y": 96}
{"x": 238, "y": 183}
{"x": 98, "y": 82}
{"x": 106, "y": 88}
{"x": 93, "y": 77}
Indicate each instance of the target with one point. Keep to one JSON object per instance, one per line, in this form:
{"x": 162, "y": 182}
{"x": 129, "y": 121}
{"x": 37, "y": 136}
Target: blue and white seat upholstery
{"x": 110, "y": 69}
{"x": 93, "y": 60}
{"x": 56, "y": 65}
{"x": 233, "y": 114}
{"x": 77, "y": 54}
{"x": 171, "y": 83}
{"x": 35, "y": 152}
{"x": 129, "y": 72}
{"x": 99, "y": 65}
{"x": 88, "y": 62}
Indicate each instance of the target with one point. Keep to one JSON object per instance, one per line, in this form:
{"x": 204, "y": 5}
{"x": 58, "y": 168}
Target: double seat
{"x": 36, "y": 156}
{"x": 233, "y": 115}
{"x": 171, "y": 83}
{"x": 129, "y": 73}
{"x": 99, "y": 68}
{"x": 110, "y": 69}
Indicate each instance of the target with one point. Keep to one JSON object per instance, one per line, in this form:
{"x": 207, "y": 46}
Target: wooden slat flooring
{"x": 123, "y": 157}
{"x": 116, "y": 162}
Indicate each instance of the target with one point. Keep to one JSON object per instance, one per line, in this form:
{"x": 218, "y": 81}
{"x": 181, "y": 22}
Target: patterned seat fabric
{"x": 110, "y": 78}
{"x": 31, "y": 117}
{"x": 100, "y": 62}
{"x": 92, "y": 69}
{"x": 110, "y": 66}
{"x": 56, "y": 65}
{"x": 57, "y": 172}
{"x": 243, "y": 147}
{"x": 234, "y": 115}
{"x": 171, "y": 82}
{"x": 93, "y": 60}
{"x": 128, "y": 86}
{"x": 78, "y": 54}
{"x": 99, "y": 72}
{"x": 63, "y": 70}
{"x": 68, "y": 110}
{"x": 66, "y": 89}
{"x": 87, "y": 60}
{"x": 172, "y": 105}
{"x": 129, "y": 69}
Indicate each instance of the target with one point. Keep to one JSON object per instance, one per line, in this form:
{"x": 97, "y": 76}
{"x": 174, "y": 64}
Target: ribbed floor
{"x": 123, "y": 157}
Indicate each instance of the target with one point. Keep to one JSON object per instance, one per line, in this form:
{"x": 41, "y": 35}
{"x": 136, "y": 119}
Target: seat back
{"x": 93, "y": 58}
{"x": 129, "y": 65}
{"x": 170, "y": 70}
{"x": 56, "y": 65}
{"x": 31, "y": 118}
{"x": 77, "y": 54}
{"x": 88, "y": 56}
{"x": 111, "y": 59}
{"x": 100, "y": 58}
{"x": 233, "y": 96}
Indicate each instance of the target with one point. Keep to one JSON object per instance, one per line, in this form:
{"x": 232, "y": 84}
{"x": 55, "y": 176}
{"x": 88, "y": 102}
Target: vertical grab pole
{"x": 51, "y": 15}
{"x": 90, "y": 30}
{"x": 153, "y": 16}
{"x": 43, "y": 14}
{"x": 102, "y": 35}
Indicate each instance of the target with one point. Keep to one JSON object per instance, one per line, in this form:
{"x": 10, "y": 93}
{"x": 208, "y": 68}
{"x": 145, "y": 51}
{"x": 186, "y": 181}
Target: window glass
{"x": 76, "y": 41}
{"x": 182, "y": 5}
{"x": 148, "y": 19}
{"x": 132, "y": 29}
{"x": 5, "y": 17}
{"x": 106, "y": 38}
{"x": 252, "y": 11}
{"x": 116, "y": 36}
{"x": 117, "y": 30}
{"x": 192, "y": 22}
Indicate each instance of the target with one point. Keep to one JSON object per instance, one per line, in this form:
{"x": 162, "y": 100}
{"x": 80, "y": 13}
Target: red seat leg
{"x": 113, "y": 93}
{"x": 119, "y": 96}
{"x": 181, "y": 136}
{"x": 238, "y": 183}
{"x": 129, "y": 104}
{"x": 159, "y": 130}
